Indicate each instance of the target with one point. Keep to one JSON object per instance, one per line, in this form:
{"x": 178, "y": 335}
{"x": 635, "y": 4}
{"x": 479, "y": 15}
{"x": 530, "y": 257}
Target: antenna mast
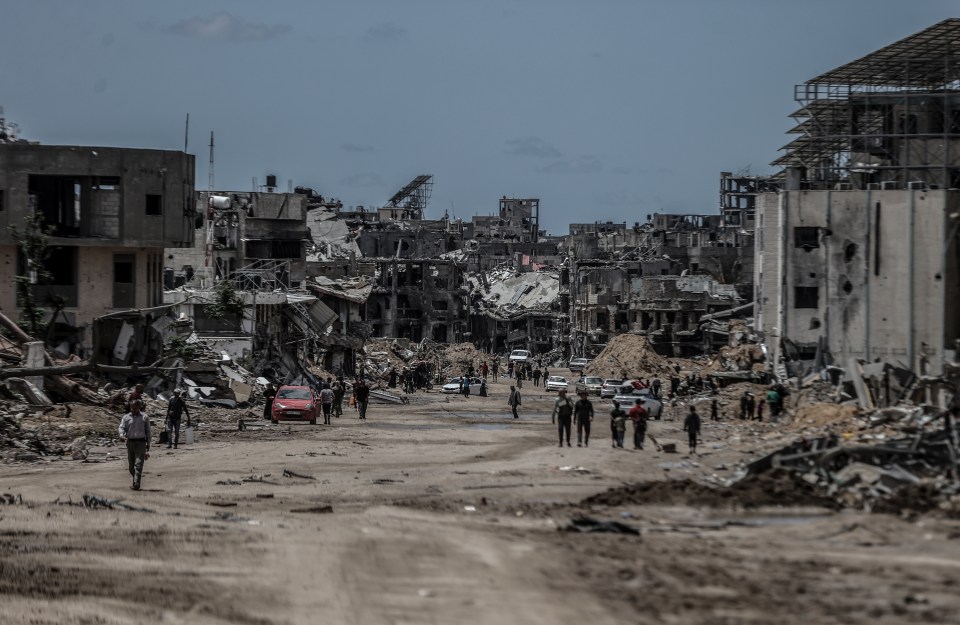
{"x": 210, "y": 181}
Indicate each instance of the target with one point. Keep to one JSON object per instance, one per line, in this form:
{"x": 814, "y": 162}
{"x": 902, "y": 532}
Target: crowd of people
{"x": 568, "y": 415}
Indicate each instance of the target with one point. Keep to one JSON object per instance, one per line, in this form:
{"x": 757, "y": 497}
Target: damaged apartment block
{"x": 110, "y": 212}
{"x": 858, "y": 253}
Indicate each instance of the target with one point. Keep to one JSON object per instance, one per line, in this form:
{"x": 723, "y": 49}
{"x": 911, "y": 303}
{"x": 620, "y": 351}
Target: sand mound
{"x": 631, "y": 354}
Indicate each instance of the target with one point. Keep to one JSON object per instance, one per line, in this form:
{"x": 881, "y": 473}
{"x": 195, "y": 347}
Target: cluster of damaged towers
{"x": 849, "y": 252}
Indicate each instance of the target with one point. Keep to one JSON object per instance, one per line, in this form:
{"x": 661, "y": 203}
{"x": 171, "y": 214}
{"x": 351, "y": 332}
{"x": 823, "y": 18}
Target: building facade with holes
{"x": 857, "y": 255}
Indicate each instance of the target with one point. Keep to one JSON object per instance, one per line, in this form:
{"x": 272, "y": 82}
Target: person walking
{"x": 583, "y": 415}
{"x": 268, "y": 394}
{"x": 514, "y": 401}
{"x": 361, "y": 394}
{"x": 519, "y": 377}
{"x": 638, "y": 414}
{"x": 656, "y": 388}
{"x": 536, "y": 377}
{"x": 691, "y": 425}
{"x": 743, "y": 405}
{"x": 175, "y": 409}
{"x": 135, "y": 432}
{"x": 714, "y": 410}
{"x": 751, "y": 406}
{"x": 485, "y": 370}
{"x": 618, "y": 425}
{"x": 466, "y": 387}
{"x": 327, "y": 397}
{"x": 496, "y": 369}
{"x": 137, "y": 395}
{"x": 562, "y": 415}
{"x": 760, "y": 406}
{"x": 337, "y": 388}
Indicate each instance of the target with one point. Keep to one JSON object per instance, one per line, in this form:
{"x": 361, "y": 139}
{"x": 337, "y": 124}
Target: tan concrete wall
{"x": 94, "y": 282}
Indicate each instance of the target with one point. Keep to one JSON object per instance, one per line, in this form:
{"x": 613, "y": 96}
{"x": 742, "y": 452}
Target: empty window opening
{"x": 59, "y": 288}
{"x": 806, "y": 297}
{"x": 806, "y": 237}
{"x": 124, "y": 274}
{"x": 847, "y": 287}
{"x": 154, "y": 204}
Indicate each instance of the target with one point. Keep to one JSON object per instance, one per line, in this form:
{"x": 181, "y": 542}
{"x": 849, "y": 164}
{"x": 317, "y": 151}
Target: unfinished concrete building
{"x": 111, "y": 212}
{"x": 858, "y": 254}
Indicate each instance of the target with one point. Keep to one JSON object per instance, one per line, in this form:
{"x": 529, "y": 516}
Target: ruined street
{"x": 448, "y": 510}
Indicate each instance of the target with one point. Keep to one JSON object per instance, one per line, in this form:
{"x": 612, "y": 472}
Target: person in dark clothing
{"x": 483, "y": 388}
{"x": 361, "y": 394}
{"x": 618, "y": 424}
{"x": 519, "y": 377}
{"x": 135, "y": 432}
{"x": 638, "y": 414}
{"x": 760, "y": 406}
{"x": 674, "y": 386}
{"x": 392, "y": 383}
{"x": 691, "y": 425}
{"x": 175, "y": 409}
{"x": 485, "y": 370}
{"x": 656, "y": 388}
{"x": 338, "y": 393}
{"x": 466, "y": 386}
{"x": 743, "y": 405}
{"x": 268, "y": 394}
{"x": 536, "y": 377}
{"x": 714, "y": 411}
{"x": 751, "y": 405}
{"x": 582, "y": 416}
{"x": 563, "y": 416}
{"x": 514, "y": 401}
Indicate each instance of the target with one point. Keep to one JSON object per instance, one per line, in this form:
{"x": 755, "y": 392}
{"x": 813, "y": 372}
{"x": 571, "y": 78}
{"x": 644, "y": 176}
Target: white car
{"x": 591, "y": 384}
{"x": 654, "y": 406}
{"x": 610, "y": 388}
{"x": 556, "y": 383}
{"x": 453, "y": 386}
{"x": 520, "y": 356}
{"x": 577, "y": 364}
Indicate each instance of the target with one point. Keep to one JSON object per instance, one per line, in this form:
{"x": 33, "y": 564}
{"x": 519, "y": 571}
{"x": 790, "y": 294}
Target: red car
{"x": 295, "y": 403}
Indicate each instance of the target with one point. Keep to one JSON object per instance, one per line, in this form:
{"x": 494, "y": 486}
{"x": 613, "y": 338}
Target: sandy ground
{"x": 446, "y": 510}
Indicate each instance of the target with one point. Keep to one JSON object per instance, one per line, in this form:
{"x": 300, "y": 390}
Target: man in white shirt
{"x": 135, "y": 432}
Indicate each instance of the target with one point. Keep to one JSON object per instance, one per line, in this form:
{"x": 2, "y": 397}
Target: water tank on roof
{"x": 220, "y": 201}
{"x": 271, "y": 181}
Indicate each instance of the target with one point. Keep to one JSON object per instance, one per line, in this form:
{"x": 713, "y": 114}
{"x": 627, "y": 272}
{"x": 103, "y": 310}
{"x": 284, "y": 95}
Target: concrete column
{"x": 34, "y": 357}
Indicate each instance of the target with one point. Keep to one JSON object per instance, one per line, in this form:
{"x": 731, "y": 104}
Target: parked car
{"x": 590, "y": 384}
{"x": 577, "y": 364}
{"x": 628, "y": 400}
{"x": 610, "y": 388}
{"x": 453, "y": 386}
{"x": 520, "y": 356}
{"x": 556, "y": 383}
{"x": 295, "y": 403}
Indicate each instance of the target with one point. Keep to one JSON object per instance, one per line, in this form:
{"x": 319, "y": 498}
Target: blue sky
{"x": 604, "y": 109}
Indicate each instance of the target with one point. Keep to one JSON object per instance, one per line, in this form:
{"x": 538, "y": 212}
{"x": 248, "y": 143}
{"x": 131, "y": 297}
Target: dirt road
{"x": 445, "y": 511}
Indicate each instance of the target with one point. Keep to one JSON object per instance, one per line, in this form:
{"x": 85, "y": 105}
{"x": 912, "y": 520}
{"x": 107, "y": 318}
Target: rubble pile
{"x": 897, "y": 459}
{"x": 29, "y": 434}
{"x": 456, "y": 358}
{"x": 630, "y": 354}
{"x": 742, "y": 358}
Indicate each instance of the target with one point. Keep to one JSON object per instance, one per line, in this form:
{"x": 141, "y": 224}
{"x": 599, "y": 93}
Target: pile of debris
{"x": 899, "y": 459}
{"x": 630, "y": 356}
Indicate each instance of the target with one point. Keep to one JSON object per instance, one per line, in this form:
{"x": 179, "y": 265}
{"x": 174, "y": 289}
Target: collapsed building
{"x": 857, "y": 254}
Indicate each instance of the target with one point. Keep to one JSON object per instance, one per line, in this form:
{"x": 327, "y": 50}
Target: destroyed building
{"x": 417, "y": 299}
{"x": 243, "y": 231}
{"x": 110, "y": 212}
{"x": 857, "y": 255}
{"x": 518, "y": 310}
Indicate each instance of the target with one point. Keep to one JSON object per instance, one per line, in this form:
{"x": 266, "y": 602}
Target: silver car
{"x": 654, "y": 406}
